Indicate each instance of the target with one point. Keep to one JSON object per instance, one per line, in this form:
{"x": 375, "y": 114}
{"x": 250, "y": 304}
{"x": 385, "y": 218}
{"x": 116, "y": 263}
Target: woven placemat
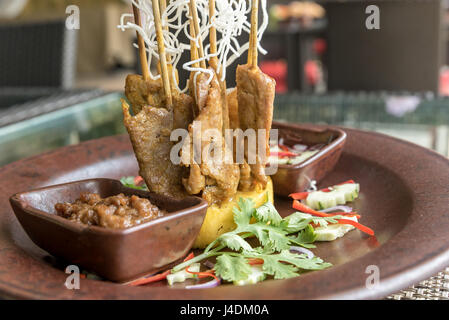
{"x": 434, "y": 288}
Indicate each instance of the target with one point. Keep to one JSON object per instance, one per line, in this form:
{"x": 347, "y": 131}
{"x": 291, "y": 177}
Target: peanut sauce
{"x": 115, "y": 212}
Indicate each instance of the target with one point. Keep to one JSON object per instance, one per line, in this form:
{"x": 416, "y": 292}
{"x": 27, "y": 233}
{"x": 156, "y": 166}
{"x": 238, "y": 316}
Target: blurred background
{"x": 60, "y": 86}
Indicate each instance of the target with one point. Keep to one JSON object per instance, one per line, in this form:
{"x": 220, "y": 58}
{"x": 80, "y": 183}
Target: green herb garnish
{"x": 275, "y": 236}
{"x": 129, "y": 182}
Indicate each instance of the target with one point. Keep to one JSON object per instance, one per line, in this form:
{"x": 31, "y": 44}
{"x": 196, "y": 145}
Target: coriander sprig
{"x": 275, "y": 235}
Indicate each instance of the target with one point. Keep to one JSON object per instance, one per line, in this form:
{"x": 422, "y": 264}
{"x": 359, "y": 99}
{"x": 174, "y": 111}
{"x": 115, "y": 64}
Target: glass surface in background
{"x": 421, "y": 120}
{"x": 84, "y": 121}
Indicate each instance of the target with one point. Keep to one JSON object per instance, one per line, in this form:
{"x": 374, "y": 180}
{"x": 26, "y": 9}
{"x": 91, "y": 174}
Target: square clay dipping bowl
{"x": 291, "y": 178}
{"x": 119, "y": 255}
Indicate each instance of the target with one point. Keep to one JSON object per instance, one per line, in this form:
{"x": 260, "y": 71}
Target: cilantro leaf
{"x": 279, "y": 239}
{"x": 235, "y": 242}
{"x": 244, "y": 212}
{"x": 285, "y": 264}
{"x": 268, "y": 213}
{"x": 269, "y": 235}
{"x": 275, "y": 236}
{"x": 273, "y": 266}
{"x": 297, "y": 221}
{"x": 302, "y": 261}
{"x": 306, "y": 236}
{"x": 232, "y": 268}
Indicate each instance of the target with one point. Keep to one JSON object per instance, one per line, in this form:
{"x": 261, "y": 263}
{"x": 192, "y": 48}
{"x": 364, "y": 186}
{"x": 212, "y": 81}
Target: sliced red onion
{"x": 209, "y": 264}
{"x": 211, "y": 284}
{"x": 300, "y": 147}
{"x": 337, "y": 208}
{"x": 309, "y": 253}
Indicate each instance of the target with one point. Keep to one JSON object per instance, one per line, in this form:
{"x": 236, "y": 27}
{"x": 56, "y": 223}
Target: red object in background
{"x": 312, "y": 72}
{"x": 319, "y": 46}
{"x": 444, "y": 82}
{"x": 276, "y": 69}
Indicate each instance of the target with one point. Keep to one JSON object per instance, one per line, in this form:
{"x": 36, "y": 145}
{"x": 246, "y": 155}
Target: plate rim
{"x": 435, "y": 261}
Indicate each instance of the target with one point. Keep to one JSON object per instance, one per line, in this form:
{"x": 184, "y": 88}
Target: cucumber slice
{"x": 182, "y": 275}
{"x": 339, "y": 194}
{"x": 332, "y": 232}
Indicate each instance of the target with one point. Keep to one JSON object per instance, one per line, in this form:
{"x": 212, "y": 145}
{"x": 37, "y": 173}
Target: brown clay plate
{"x": 404, "y": 198}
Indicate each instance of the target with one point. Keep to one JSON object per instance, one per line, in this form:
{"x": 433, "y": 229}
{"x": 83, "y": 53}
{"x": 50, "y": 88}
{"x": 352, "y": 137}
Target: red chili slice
{"x": 285, "y": 148}
{"x": 303, "y": 208}
{"x": 190, "y": 256}
{"x": 203, "y": 274}
{"x": 253, "y": 261}
{"x": 138, "y": 180}
{"x": 158, "y": 277}
{"x": 359, "y": 226}
{"x": 283, "y": 154}
{"x": 299, "y": 195}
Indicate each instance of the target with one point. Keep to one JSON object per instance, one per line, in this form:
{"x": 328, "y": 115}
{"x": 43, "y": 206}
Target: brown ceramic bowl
{"x": 295, "y": 178}
{"x": 115, "y": 254}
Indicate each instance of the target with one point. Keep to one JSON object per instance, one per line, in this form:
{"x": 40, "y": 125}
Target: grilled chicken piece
{"x": 150, "y": 128}
{"x": 233, "y": 109}
{"x": 224, "y": 106}
{"x": 149, "y": 132}
{"x": 142, "y": 93}
{"x": 218, "y": 180}
{"x": 201, "y": 91}
{"x": 255, "y": 96}
{"x": 246, "y": 181}
{"x": 182, "y": 111}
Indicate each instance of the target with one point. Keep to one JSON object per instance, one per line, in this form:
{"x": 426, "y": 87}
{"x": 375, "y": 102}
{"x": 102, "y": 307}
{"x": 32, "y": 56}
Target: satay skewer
{"x": 252, "y": 50}
{"x": 141, "y": 44}
{"x": 161, "y": 52}
{"x": 194, "y": 14}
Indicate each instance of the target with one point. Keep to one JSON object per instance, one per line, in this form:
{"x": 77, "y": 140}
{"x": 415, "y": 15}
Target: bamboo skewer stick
{"x": 161, "y": 52}
{"x": 196, "y": 25}
{"x": 141, "y": 44}
{"x": 213, "y": 37}
{"x": 193, "y": 57}
{"x": 193, "y": 48}
{"x": 163, "y": 6}
{"x": 252, "y": 51}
